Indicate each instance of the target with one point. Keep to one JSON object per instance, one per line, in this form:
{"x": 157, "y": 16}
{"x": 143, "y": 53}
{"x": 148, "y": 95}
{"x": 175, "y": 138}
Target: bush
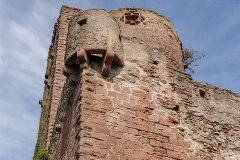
{"x": 132, "y": 9}
{"x": 189, "y": 57}
{"x": 40, "y": 154}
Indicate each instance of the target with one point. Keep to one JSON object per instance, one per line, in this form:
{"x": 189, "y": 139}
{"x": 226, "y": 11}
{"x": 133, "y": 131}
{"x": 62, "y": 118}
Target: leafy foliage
{"x": 132, "y": 9}
{"x": 40, "y": 154}
{"x": 189, "y": 57}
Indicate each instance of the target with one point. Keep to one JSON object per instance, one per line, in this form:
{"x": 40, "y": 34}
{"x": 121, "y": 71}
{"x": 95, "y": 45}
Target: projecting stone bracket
{"x": 81, "y": 57}
{"x": 72, "y": 73}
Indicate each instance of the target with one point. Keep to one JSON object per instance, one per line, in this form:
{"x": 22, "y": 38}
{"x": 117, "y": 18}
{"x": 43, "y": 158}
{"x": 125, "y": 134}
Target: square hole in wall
{"x": 82, "y": 22}
{"x": 202, "y": 93}
{"x": 95, "y": 61}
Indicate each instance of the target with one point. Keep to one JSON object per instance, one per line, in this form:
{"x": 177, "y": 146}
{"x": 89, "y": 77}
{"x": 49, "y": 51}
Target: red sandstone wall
{"x": 155, "y": 31}
{"x": 112, "y": 118}
{"x": 59, "y": 45}
{"x": 147, "y": 109}
{"x": 112, "y": 121}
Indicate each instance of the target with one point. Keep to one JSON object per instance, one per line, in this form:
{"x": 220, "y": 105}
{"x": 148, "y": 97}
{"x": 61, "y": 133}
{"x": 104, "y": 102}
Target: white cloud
{"x": 24, "y": 46}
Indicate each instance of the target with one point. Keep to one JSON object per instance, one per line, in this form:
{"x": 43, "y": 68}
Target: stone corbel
{"x": 72, "y": 73}
{"x": 81, "y": 55}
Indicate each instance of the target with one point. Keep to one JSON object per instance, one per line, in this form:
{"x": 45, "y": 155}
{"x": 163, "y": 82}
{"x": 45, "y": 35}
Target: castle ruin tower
{"x": 116, "y": 88}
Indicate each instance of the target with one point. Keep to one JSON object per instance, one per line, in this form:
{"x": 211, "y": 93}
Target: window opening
{"x": 82, "y": 22}
{"x": 202, "y": 93}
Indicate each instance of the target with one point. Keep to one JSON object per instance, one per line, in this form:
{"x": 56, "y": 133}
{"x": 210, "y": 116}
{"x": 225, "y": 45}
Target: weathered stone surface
{"x": 148, "y": 109}
{"x": 93, "y": 32}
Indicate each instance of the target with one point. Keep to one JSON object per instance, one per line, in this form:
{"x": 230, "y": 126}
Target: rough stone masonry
{"x": 115, "y": 88}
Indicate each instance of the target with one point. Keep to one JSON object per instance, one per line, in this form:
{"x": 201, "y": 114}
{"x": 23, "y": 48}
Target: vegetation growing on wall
{"x": 189, "y": 57}
{"x": 132, "y": 8}
{"x": 40, "y": 154}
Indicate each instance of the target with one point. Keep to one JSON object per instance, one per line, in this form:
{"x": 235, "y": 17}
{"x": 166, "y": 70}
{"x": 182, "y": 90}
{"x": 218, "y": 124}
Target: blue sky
{"x": 210, "y": 27}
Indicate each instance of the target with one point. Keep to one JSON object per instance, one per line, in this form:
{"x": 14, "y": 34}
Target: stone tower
{"x": 115, "y": 88}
